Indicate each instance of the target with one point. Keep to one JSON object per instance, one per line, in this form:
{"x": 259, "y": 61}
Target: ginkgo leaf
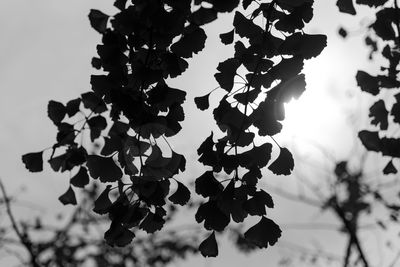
{"x": 227, "y": 38}
{"x": 367, "y": 83}
{"x": 265, "y": 232}
{"x": 213, "y": 217}
{"x": 209, "y": 246}
{"x": 346, "y": 6}
{"x": 370, "y": 140}
{"x": 96, "y": 124}
{"x": 117, "y": 235}
{"x": 103, "y": 168}
{"x": 93, "y": 102}
{"x": 68, "y": 197}
{"x": 379, "y": 114}
{"x": 256, "y": 204}
{"x": 181, "y": 195}
{"x": 202, "y": 102}
{"x": 56, "y": 111}
{"x": 98, "y": 20}
{"x": 227, "y": 73}
{"x": 204, "y": 15}
{"x": 103, "y": 202}
{"x": 371, "y": 3}
{"x": 120, "y": 4}
{"x": 81, "y": 178}
{"x": 33, "y": 161}
{"x": 390, "y": 168}
{"x": 192, "y": 41}
{"x": 284, "y": 164}
{"x": 246, "y": 3}
{"x": 225, "y": 6}
{"x": 152, "y": 223}
{"x": 207, "y": 186}
{"x": 246, "y": 27}
{"x": 72, "y": 107}
{"x": 306, "y": 45}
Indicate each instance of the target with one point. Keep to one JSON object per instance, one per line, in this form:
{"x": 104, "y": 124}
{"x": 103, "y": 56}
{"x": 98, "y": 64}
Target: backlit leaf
{"x": 209, "y": 246}
{"x": 284, "y": 164}
{"x": 68, "y": 197}
{"x": 33, "y": 161}
{"x": 265, "y": 232}
{"x": 98, "y": 20}
{"x": 56, "y": 111}
{"x": 81, "y": 178}
{"x": 103, "y": 168}
{"x": 181, "y": 195}
{"x": 117, "y": 235}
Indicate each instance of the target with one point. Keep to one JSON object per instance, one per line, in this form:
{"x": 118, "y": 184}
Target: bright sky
{"x": 45, "y": 54}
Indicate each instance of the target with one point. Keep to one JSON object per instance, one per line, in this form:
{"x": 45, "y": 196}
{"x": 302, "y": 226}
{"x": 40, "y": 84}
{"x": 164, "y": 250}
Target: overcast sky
{"x": 45, "y": 54}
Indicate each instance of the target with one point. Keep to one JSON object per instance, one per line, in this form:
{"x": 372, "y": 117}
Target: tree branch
{"x": 23, "y": 238}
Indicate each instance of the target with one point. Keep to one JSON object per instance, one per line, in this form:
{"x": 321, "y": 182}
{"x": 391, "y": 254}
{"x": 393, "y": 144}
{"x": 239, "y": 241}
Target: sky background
{"x": 45, "y": 53}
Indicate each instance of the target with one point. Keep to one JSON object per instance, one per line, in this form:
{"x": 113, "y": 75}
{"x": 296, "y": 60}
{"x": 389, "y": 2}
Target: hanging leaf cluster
{"x": 132, "y": 111}
{"x": 384, "y": 113}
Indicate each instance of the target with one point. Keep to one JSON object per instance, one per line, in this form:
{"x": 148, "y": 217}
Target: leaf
{"x": 98, "y": 20}
{"x": 202, "y": 102}
{"x": 213, "y": 217}
{"x": 96, "y": 124}
{"x": 367, "y": 83}
{"x": 379, "y": 114}
{"x": 245, "y": 27}
{"x": 207, "y": 186}
{"x": 227, "y": 38}
{"x": 120, "y": 4}
{"x": 370, "y": 140}
{"x": 93, "y": 102}
{"x": 81, "y": 178}
{"x": 117, "y": 235}
{"x": 192, "y": 41}
{"x": 346, "y": 6}
{"x": 390, "y": 168}
{"x": 227, "y": 73}
{"x": 225, "y": 6}
{"x": 68, "y": 197}
{"x": 256, "y": 204}
{"x": 246, "y": 3}
{"x": 152, "y": 223}
{"x": 56, "y": 111}
{"x": 209, "y": 246}
{"x": 181, "y": 195}
{"x": 265, "y": 232}
{"x": 371, "y": 3}
{"x": 72, "y": 107}
{"x": 33, "y": 161}
{"x": 289, "y": 89}
{"x": 284, "y": 164}
{"x": 103, "y": 168}
{"x": 204, "y": 15}
{"x": 306, "y": 45}
{"x": 103, "y": 202}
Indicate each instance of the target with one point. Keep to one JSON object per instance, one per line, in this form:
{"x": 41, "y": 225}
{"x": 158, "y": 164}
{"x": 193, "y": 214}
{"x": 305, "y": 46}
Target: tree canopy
{"x": 134, "y": 111}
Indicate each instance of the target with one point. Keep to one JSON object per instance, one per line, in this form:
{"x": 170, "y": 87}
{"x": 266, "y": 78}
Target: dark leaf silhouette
{"x": 379, "y": 114}
{"x": 68, "y": 197}
{"x": 346, "y": 6}
{"x": 120, "y": 4}
{"x": 209, "y": 246}
{"x": 192, "y": 41}
{"x": 103, "y": 168}
{"x": 265, "y": 232}
{"x": 213, "y": 217}
{"x": 204, "y": 15}
{"x": 96, "y": 124}
{"x": 370, "y": 140}
{"x": 118, "y": 235}
{"x": 81, "y": 178}
{"x": 93, "y": 102}
{"x": 153, "y": 222}
{"x": 227, "y": 72}
{"x": 72, "y": 107}
{"x": 284, "y": 164}
{"x": 227, "y": 38}
{"x": 371, "y": 3}
{"x": 256, "y": 204}
{"x": 33, "y": 161}
{"x": 367, "y": 82}
{"x": 202, "y": 102}
{"x": 103, "y": 202}
{"x": 181, "y": 195}
{"x": 306, "y": 45}
{"x": 207, "y": 186}
{"x": 98, "y": 20}
{"x": 245, "y": 27}
{"x": 56, "y": 111}
{"x": 390, "y": 168}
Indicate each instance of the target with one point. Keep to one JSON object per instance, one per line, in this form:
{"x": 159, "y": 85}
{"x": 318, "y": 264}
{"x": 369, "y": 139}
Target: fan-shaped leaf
{"x": 81, "y": 178}
{"x": 103, "y": 202}
{"x": 68, "y": 197}
{"x": 118, "y": 235}
{"x": 346, "y": 6}
{"x": 207, "y": 186}
{"x": 181, "y": 195}
{"x": 284, "y": 164}
{"x": 33, "y": 161}
{"x": 209, "y": 246}
{"x": 98, "y": 20}
{"x": 265, "y": 232}
{"x": 103, "y": 168}
{"x": 56, "y": 111}
{"x": 202, "y": 102}
{"x": 227, "y": 38}
{"x": 390, "y": 168}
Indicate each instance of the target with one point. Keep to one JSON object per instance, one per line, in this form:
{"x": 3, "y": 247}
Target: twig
{"x": 22, "y": 237}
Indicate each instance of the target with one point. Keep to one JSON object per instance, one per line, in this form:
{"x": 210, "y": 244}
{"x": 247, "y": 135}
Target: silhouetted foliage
{"x": 148, "y": 42}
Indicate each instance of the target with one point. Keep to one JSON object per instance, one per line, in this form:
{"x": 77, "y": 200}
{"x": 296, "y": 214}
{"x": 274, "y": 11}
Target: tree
{"x": 143, "y": 46}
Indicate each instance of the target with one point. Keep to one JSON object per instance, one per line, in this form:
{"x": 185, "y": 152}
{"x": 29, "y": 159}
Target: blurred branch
{"x": 22, "y": 236}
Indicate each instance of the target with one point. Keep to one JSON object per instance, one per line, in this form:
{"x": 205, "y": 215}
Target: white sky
{"x": 45, "y": 53}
